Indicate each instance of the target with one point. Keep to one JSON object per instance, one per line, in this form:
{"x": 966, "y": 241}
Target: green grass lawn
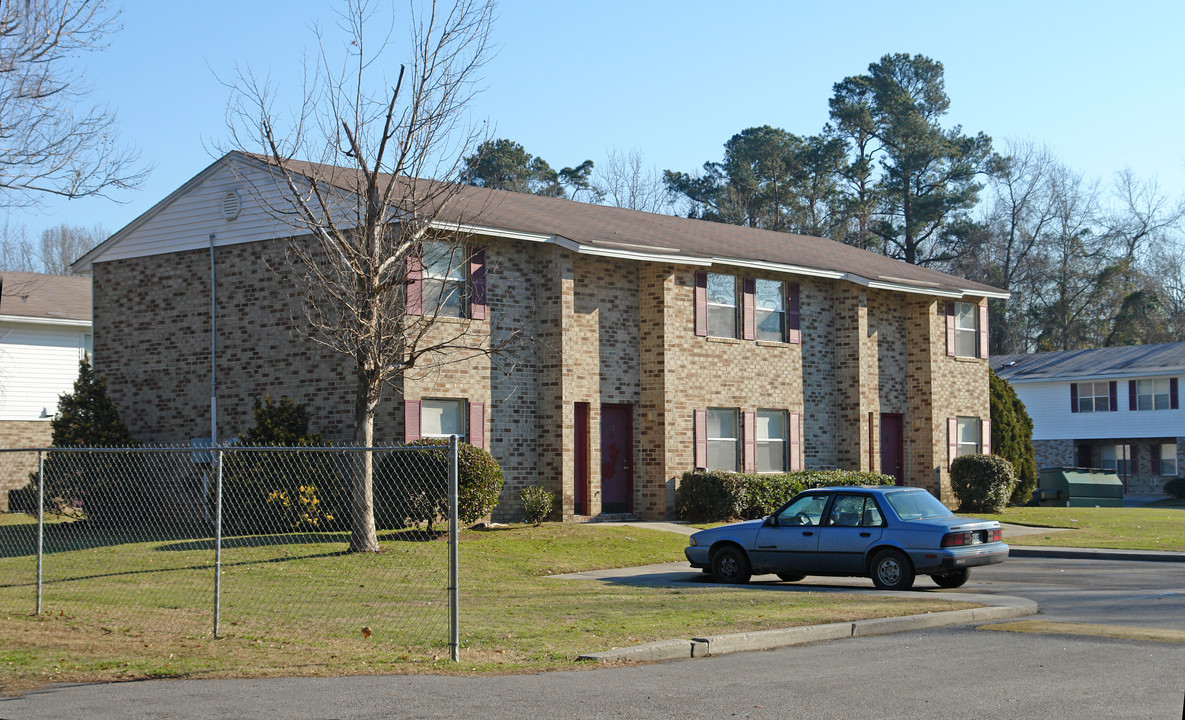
{"x": 1150, "y": 528}
{"x": 119, "y": 607}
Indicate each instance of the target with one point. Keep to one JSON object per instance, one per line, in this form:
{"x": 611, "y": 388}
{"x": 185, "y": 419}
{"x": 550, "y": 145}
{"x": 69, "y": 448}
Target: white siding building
{"x": 45, "y": 327}
{"x": 1114, "y": 408}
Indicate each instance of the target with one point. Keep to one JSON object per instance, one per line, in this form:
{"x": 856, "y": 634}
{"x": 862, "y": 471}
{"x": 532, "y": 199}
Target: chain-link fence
{"x": 270, "y": 543}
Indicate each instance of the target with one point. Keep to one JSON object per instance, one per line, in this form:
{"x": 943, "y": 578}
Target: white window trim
{"x": 463, "y": 408}
{"x": 1152, "y": 396}
{"x": 445, "y": 281}
{"x": 973, "y": 330}
{"x": 735, "y": 306}
{"x": 735, "y": 441}
{"x": 1169, "y": 449}
{"x": 965, "y": 448}
{"x": 1094, "y": 396}
{"x": 784, "y": 441}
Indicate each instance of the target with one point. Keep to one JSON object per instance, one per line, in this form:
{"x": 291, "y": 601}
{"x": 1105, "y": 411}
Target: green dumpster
{"x": 1079, "y": 487}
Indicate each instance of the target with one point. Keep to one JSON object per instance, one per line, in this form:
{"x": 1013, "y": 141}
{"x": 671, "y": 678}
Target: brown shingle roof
{"x": 617, "y": 229}
{"x": 35, "y": 295}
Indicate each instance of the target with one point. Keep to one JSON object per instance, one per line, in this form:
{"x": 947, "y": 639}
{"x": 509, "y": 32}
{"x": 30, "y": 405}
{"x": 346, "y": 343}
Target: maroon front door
{"x": 893, "y": 446}
{"x": 617, "y": 473}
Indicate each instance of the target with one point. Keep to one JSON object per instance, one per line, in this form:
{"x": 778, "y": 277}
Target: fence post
{"x": 40, "y": 524}
{"x": 454, "y": 615}
{"x": 217, "y": 539}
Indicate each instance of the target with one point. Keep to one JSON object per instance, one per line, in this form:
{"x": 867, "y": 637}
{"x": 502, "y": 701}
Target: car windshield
{"x": 916, "y": 505}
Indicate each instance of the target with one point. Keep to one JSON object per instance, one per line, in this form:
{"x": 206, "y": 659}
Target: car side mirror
{"x": 770, "y": 521}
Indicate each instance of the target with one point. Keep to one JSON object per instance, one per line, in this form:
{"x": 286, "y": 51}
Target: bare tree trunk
{"x": 363, "y": 537}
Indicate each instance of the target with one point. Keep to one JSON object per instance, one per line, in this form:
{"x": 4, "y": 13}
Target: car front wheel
{"x": 729, "y": 565}
{"x": 952, "y": 579}
{"x": 891, "y": 571}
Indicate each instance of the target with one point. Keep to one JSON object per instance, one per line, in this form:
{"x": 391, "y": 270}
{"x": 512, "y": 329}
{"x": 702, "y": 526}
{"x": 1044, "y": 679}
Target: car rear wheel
{"x": 791, "y": 577}
{"x": 891, "y": 571}
{"x": 952, "y": 579}
{"x": 729, "y": 565}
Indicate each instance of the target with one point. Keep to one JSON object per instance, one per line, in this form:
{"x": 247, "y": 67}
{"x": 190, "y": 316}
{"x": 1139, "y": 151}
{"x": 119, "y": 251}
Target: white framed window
{"x": 441, "y": 418}
{"x": 771, "y": 441}
{"x": 723, "y": 439}
{"x": 1094, "y": 397}
{"x": 770, "y": 310}
{"x": 722, "y": 305}
{"x": 968, "y": 436}
{"x": 1116, "y": 458}
{"x": 966, "y": 330}
{"x": 1168, "y": 459}
{"x": 444, "y": 279}
{"x": 1152, "y": 394}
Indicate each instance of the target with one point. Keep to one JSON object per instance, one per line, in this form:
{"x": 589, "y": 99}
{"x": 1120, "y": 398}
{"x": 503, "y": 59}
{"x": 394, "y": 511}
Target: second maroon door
{"x": 617, "y": 441}
{"x": 893, "y": 446}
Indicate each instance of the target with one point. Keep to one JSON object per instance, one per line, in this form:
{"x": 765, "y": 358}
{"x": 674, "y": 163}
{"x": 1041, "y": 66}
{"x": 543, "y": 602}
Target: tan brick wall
{"x": 15, "y": 467}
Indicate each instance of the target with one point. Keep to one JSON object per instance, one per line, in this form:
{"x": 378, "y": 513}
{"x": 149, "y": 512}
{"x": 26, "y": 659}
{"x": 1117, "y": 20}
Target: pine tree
{"x": 87, "y": 417}
{"x": 1012, "y": 437}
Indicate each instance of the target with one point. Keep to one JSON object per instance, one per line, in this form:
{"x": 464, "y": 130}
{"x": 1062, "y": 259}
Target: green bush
{"x": 1012, "y": 437}
{"x": 412, "y": 487}
{"x": 108, "y": 489}
{"x": 1174, "y": 487}
{"x": 281, "y": 492}
{"x": 537, "y": 503}
{"x": 719, "y": 495}
{"x": 982, "y": 483}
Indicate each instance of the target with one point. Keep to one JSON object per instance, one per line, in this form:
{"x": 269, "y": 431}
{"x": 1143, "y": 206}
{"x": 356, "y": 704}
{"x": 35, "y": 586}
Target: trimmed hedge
{"x": 982, "y": 483}
{"x": 718, "y": 495}
{"x": 411, "y": 488}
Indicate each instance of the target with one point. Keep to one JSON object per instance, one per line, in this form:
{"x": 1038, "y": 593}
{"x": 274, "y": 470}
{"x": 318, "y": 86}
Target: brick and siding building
{"x": 659, "y": 344}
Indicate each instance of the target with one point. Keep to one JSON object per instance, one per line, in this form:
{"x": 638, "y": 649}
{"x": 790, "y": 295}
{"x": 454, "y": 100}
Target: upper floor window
{"x": 1152, "y": 394}
{"x": 1094, "y": 397}
{"x": 770, "y": 310}
{"x": 444, "y": 279}
{"x": 966, "y": 329}
{"x": 722, "y": 305}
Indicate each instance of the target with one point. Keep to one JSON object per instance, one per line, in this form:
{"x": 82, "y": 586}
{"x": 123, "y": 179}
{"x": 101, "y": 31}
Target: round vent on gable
{"x": 232, "y": 205}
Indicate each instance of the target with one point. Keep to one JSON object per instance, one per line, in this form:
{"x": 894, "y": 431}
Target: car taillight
{"x": 995, "y": 535}
{"x": 959, "y": 539}
{"x": 956, "y": 539}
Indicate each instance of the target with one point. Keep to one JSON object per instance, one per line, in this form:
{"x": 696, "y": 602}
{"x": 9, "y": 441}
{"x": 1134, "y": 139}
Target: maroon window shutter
{"x": 1154, "y": 454}
{"x": 985, "y": 436}
{"x": 952, "y": 440}
{"x": 477, "y": 284}
{"x": 794, "y": 317}
{"x": 1073, "y": 397}
{"x": 795, "y": 442}
{"x": 1173, "y": 405}
{"x": 1114, "y": 392}
{"x": 750, "y": 419}
{"x": 983, "y": 331}
{"x": 477, "y": 424}
{"x": 950, "y": 328}
{"x": 415, "y": 283}
{"x": 749, "y": 308}
{"x": 701, "y": 438}
{"x": 1132, "y": 403}
{"x": 411, "y": 420}
{"x": 701, "y": 306}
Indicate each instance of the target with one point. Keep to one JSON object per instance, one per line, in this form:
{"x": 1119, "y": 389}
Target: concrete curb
{"x": 770, "y": 639}
{"x": 1034, "y": 551}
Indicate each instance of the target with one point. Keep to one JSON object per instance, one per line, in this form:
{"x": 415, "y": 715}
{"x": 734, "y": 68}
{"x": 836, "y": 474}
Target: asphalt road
{"x": 959, "y": 672}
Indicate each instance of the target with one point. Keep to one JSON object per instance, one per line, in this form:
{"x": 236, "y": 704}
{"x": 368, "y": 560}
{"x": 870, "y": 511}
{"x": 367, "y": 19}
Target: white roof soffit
{"x": 60, "y": 322}
{"x": 1079, "y": 377}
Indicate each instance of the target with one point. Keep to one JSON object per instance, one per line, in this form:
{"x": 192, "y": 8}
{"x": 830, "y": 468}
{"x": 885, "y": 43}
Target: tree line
{"x": 1088, "y": 263}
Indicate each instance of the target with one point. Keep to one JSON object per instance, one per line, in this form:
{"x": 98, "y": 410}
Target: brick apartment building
{"x": 660, "y": 344}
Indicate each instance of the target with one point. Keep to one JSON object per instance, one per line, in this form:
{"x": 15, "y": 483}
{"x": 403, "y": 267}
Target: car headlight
{"x": 692, "y": 541}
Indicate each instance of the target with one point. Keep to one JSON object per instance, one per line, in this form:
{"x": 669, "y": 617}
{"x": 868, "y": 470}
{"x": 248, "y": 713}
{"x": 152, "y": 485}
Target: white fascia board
{"x": 56, "y": 322}
{"x": 1088, "y": 377}
{"x": 508, "y": 234}
{"x": 643, "y": 256}
{"x": 1002, "y": 295}
{"x": 899, "y": 287}
{"x": 778, "y": 267}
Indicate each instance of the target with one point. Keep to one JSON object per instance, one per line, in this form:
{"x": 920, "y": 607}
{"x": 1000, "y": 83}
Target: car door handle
{"x": 807, "y": 533}
{"x": 865, "y": 534}
{"x": 766, "y": 547}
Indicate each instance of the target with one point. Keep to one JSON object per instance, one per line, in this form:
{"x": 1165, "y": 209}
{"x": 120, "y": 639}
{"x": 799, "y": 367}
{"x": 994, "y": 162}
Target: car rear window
{"x": 916, "y": 505}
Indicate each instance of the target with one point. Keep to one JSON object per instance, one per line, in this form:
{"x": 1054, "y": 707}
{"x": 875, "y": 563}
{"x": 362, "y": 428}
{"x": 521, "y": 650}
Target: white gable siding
{"x": 37, "y": 364}
{"x": 1048, "y": 404}
{"x": 187, "y": 221}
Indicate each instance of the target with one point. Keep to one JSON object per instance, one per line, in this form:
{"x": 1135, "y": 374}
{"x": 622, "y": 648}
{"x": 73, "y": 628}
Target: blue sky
{"x": 1099, "y": 82}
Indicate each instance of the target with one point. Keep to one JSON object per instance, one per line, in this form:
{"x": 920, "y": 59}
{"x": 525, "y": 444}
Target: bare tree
{"x": 50, "y": 143}
{"x": 366, "y": 210}
{"x": 64, "y": 244}
{"x": 624, "y": 181}
{"x": 17, "y": 254}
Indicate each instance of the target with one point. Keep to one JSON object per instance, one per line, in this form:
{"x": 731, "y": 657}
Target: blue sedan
{"x": 891, "y": 534}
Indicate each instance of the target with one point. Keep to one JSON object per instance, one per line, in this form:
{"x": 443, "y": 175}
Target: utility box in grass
{"x": 1079, "y": 487}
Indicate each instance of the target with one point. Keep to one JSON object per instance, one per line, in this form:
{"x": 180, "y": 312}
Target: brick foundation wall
{"x": 15, "y": 467}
